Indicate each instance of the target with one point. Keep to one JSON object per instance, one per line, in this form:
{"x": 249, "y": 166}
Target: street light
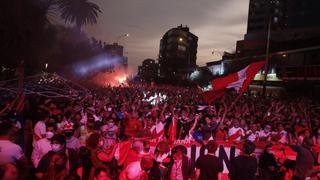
{"x": 180, "y": 39}
{"x": 122, "y": 36}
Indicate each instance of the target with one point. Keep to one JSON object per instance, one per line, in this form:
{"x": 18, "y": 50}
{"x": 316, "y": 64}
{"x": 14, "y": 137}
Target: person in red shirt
{"x": 132, "y": 125}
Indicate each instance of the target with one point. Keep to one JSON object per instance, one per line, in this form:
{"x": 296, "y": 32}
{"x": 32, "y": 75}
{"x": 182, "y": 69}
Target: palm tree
{"x": 80, "y": 12}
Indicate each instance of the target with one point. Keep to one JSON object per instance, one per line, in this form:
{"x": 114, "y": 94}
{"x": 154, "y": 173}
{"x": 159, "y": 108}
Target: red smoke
{"x": 117, "y": 77}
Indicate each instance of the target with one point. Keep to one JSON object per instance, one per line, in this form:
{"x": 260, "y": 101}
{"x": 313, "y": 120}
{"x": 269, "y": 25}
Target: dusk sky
{"x": 217, "y": 23}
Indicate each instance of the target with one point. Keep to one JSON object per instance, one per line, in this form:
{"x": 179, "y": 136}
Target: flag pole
{"x": 266, "y": 67}
{"x": 226, "y": 109}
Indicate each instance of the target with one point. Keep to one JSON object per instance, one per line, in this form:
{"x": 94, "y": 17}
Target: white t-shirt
{"x": 9, "y": 152}
{"x": 40, "y": 128}
{"x": 233, "y": 130}
{"x": 264, "y": 134}
{"x": 41, "y": 147}
{"x": 73, "y": 143}
{"x": 252, "y": 137}
{"x": 283, "y": 137}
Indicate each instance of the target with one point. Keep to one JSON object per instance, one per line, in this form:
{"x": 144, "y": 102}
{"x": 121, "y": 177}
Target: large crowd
{"x": 84, "y": 138}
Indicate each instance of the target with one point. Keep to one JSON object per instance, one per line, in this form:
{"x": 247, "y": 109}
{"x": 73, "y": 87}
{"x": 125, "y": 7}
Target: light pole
{"x": 266, "y": 69}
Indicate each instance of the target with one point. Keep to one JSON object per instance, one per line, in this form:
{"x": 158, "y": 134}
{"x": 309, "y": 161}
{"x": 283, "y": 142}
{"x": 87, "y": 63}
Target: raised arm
{"x": 197, "y": 117}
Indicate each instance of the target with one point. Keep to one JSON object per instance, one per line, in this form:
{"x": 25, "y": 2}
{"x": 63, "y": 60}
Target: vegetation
{"x": 28, "y": 33}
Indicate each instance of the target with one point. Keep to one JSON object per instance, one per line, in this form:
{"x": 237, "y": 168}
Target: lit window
{"x": 181, "y": 48}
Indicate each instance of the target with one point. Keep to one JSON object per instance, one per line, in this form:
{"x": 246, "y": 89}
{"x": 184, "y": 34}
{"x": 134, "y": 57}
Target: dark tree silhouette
{"x": 27, "y": 33}
{"x": 80, "y": 12}
{"x": 24, "y": 32}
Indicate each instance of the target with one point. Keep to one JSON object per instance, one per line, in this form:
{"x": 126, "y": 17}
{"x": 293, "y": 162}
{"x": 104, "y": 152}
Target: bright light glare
{"x": 154, "y": 99}
{"x": 121, "y": 79}
{"x": 195, "y": 74}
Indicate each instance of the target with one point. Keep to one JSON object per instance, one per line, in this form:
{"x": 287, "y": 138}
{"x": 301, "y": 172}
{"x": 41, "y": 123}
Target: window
{"x": 182, "y": 48}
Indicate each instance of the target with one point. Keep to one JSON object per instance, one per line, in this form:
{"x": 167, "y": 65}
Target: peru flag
{"x": 238, "y": 81}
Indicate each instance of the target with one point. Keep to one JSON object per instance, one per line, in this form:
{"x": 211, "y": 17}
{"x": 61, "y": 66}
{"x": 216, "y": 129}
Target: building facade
{"x": 294, "y": 29}
{"x": 178, "y": 53}
{"x": 116, "y": 50}
{"x": 148, "y": 71}
{"x": 289, "y": 20}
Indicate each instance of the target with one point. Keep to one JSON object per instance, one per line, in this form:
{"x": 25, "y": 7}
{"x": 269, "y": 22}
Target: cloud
{"x": 217, "y": 23}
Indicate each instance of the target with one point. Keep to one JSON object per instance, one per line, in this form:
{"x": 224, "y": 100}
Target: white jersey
{"x": 41, "y": 147}
{"x": 234, "y": 130}
{"x": 9, "y": 152}
{"x": 253, "y": 135}
{"x": 40, "y": 129}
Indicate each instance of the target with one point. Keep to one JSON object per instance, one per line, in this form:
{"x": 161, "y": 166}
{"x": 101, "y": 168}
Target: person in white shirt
{"x": 40, "y": 127}
{"x": 252, "y": 134}
{"x": 264, "y": 134}
{"x": 282, "y": 134}
{"x": 235, "y": 132}
{"x": 11, "y": 153}
{"x": 137, "y": 169}
{"x": 43, "y": 146}
{"x": 109, "y": 132}
{"x": 72, "y": 141}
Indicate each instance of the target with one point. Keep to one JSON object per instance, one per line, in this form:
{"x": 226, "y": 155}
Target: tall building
{"x": 148, "y": 71}
{"x": 178, "y": 53}
{"x": 263, "y": 11}
{"x": 281, "y": 15}
{"x": 294, "y": 51}
{"x": 114, "y": 49}
{"x": 117, "y": 50}
{"x": 288, "y": 20}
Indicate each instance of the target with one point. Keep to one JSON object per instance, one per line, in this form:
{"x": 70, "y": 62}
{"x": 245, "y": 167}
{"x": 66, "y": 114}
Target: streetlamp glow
{"x": 122, "y": 36}
{"x": 180, "y": 39}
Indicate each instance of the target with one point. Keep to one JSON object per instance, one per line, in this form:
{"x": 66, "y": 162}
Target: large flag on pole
{"x": 238, "y": 81}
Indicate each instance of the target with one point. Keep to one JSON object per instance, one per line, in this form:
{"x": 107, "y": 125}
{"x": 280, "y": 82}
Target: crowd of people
{"x": 61, "y": 138}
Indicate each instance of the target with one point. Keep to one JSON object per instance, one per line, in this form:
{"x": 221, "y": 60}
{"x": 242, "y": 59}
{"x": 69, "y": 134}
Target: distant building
{"x": 282, "y": 15}
{"x": 148, "y": 71}
{"x": 178, "y": 53}
{"x": 117, "y": 50}
{"x": 289, "y": 20}
{"x": 294, "y": 38}
{"x": 216, "y": 67}
{"x": 261, "y": 11}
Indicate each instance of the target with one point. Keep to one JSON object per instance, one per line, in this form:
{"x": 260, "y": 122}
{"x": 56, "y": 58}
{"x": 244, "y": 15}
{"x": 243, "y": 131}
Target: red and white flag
{"x": 238, "y": 81}
{"x": 172, "y": 131}
{"x": 157, "y": 130}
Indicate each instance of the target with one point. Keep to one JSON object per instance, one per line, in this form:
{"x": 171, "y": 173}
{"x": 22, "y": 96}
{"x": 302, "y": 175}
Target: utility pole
{"x": 266, "y": 67}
